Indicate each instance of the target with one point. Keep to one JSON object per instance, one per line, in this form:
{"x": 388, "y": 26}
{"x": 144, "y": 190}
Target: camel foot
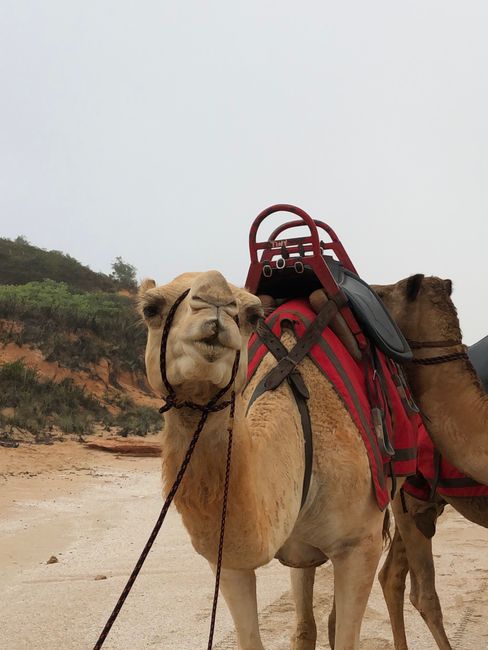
{"x": 302, "y": 642}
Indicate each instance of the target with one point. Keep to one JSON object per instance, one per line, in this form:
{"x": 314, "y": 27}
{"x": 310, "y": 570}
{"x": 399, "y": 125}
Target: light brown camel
{"x": 340, "y": 519}
{"x": 451, "y": 396}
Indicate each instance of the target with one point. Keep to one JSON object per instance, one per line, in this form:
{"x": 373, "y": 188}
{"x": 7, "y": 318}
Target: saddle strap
{"x": 300, "y": 393}
{"x": 311, "y": 336}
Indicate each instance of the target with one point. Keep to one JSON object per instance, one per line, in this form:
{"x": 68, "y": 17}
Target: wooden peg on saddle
{"x": 338, "y": 325}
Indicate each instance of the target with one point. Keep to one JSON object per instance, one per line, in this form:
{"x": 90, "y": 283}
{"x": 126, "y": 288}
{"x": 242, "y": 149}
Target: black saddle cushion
{"x": 371, "y": 313}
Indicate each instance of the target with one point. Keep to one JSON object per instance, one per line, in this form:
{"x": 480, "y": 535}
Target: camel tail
{"x": 386, "y": 529}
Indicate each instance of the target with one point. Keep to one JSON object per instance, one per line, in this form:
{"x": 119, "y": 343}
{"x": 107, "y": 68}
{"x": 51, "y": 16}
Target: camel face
{"x": 210, "y": 326}
{"x": 422, "y": 307}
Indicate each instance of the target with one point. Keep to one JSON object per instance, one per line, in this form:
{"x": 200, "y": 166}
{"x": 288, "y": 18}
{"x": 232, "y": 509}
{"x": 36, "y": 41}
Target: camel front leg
{"x": 239, "y": 591}
{"x": 423, "y": 594}
{"x": 305, "y": 635}
{"x": 392, "y": 578}
{"x": 354, "y": 571}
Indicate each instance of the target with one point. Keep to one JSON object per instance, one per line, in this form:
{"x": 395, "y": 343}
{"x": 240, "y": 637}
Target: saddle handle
{"x": 335, "y": 244}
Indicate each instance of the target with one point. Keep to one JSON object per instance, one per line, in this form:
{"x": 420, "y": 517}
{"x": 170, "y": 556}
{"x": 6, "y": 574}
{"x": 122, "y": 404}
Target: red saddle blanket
{"x": 350, "y": 381}
{"x": 436, "y": 473}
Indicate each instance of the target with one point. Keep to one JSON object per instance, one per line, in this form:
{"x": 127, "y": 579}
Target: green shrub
{"x": 39, "y": 405}
{"x": 72, "y": 327}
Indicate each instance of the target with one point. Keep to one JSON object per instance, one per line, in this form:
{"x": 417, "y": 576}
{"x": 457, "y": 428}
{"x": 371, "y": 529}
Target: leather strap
{"x": 312, "y": 335}
{"x": 300, "y": 393}
{"x": 278, "y": 350}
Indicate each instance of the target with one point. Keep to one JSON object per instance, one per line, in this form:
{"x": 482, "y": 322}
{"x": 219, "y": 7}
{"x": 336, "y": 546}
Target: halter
{"x": 171, "y": 401}
{"x": 431, "y": 361}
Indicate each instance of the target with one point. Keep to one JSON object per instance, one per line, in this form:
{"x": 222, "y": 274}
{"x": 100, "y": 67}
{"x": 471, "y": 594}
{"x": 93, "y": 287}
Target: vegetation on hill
{"x": 21, "y": 262}
{"x": 72, "y": 327}
{"x": 28, "y": 403}
{"x": 75, "y": 317}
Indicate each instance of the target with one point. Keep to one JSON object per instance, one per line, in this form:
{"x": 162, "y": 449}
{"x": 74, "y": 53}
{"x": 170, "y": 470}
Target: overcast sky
{"x": 158, "y": 130}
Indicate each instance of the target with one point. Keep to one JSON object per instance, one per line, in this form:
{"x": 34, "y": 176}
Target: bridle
{"x": 212, "y": 406}
{"x": 171, "y": 401}
{"x": 430, "y": 361}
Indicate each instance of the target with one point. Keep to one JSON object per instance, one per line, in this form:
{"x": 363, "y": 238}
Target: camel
{"x": 340, "y": 518}
{"x": 457, "y": 409}
{"x": 425, "y": 313}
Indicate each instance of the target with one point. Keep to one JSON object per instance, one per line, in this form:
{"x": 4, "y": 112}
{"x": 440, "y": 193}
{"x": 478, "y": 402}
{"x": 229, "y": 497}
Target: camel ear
{"x": 448, "y": 286}
{"x": 414, "y": 283}
{"x": 147, "y": 283}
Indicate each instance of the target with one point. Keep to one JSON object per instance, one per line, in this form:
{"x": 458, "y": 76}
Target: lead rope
{"x": 210, "y": 407}
{"x": 222, "y": 523}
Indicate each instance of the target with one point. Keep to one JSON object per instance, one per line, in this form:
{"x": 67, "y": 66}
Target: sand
{"x": 93, "y": 512}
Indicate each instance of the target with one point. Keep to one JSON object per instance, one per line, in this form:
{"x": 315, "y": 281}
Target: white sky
{"x": 158, "y": 130}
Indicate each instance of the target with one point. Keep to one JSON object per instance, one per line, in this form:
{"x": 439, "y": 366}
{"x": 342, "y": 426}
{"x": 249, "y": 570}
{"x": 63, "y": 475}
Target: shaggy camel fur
{"x": 424, "y": 310}
{"x": 340, "y": 519}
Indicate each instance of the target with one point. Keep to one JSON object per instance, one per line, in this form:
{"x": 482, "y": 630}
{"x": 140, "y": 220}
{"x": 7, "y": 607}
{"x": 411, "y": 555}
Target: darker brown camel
{"x": 451, "y": 396}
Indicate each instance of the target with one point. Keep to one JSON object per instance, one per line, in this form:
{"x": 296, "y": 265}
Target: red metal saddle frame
{"x": 294, "y": 251}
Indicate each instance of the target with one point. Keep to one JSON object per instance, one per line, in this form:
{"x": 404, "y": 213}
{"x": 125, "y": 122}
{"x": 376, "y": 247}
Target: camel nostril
{"x": 213, "y": 326}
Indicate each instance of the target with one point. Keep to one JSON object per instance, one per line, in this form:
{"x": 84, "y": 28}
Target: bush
{"x": 72, "y": 327}
{"x": 39, "y": 405}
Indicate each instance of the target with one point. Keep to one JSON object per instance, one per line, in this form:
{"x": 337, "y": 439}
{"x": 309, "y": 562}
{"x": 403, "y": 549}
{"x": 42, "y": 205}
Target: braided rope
{"x": 430, "y": 361}
{"x": 222, "y": 524}
{"x": 211, "y": 407}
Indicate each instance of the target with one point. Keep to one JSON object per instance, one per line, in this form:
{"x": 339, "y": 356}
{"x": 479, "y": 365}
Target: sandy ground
{"x": 94, "y": 511}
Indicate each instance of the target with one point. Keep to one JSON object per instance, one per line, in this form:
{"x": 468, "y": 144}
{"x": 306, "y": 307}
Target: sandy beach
{"x": 93, "y": 511}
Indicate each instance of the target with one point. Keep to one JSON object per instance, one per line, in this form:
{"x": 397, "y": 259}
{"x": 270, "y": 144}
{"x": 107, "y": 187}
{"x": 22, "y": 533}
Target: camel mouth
{"x": 211, "y": 348}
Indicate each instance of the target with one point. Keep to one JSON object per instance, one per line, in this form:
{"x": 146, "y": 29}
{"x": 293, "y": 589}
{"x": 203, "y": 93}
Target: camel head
{"x": 422, "y": 307}
{"x": 214, "y": 321}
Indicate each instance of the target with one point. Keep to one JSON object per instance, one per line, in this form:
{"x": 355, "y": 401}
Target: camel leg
{"x": 423, "y": 594}
{"x": 354, "y": 571}
{"x": 392, "y": 578}
{"x": 239, "y": 591}
{"x": 305, "y": 636}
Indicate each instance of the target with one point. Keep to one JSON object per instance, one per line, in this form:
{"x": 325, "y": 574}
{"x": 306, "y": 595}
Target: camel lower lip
{"x": 210, "y": 351}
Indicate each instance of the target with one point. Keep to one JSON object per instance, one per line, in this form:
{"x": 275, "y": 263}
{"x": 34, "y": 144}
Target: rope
{"x": 212, "y": 406}
{"x": 222, "y": 524}
{"x": 153, "y": 535}
{"x": 443, "y": 359}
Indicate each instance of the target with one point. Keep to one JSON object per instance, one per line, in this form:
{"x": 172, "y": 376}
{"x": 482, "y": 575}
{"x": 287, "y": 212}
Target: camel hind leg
{"x": 423, "y": 595}
{"x": 392, "y": 578}
{"x": 305, "y": 636}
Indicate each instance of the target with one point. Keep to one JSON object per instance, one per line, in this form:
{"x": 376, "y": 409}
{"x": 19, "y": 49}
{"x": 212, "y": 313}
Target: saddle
{"x": 344, "y": 328}
{"x": 295, "y": 267}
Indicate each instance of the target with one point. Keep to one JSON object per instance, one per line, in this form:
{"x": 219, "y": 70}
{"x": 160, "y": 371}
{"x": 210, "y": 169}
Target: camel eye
{"x": 254, "y": 314}
{"x": 150, "y": 311}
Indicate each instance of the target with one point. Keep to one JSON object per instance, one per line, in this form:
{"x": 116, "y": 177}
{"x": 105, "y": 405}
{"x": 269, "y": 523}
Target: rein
{"x": 212, "y": 406}
{"x": 431, "y": 361}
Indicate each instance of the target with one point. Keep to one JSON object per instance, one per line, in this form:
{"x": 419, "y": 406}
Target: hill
{"x": 71, "y": 354}
{"x": 21, "y": 262}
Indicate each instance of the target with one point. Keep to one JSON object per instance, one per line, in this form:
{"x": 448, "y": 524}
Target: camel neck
{"x": 456, "y": 410}
{"x": 254, "y": 489}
